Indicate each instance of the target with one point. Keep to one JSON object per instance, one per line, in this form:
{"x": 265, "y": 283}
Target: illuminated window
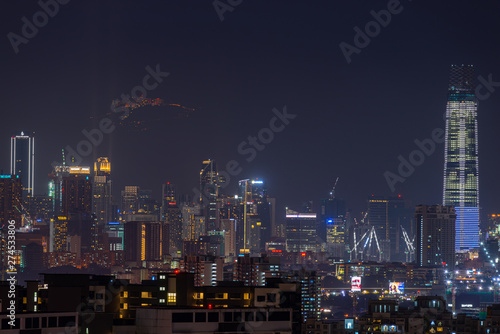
{"x": 145, "y": 294}
{"x": 125, "y": 294}
{"x": 246, "y": 296}
{"x": 172, "y": 297}
{"x": 162, "y": 300}
{"x": 162, "y": 288}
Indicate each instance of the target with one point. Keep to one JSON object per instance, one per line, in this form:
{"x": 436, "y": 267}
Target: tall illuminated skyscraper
{"x": 22, "y": 161}
{"x": 461, "y": 186}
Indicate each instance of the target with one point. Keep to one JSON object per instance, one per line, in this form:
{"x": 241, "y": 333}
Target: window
{"x": 279, "y": 316}
{"x": 162, "y": 300}
{"x": 52, "y": 322}
{"x": 162, "y": 288}
{"x": 172, "y": 297}
{"x": 145, "y": 294}
{"x": 246, "y": 296}
{"x": 200, "y": 317}
{"x": 198, "y": 295}
{"x": 213, "y": 317}
{"x": 99, "y": 308}
{"x": 162, "y": 276}
{"x": 124, "y": 294}
{"x": 99, "y": 296}
{"x": 249, "y": 316}
{"x": 261, "y": 298}
{"x": 228, "y": 317}
{"x": 182, "y": 317}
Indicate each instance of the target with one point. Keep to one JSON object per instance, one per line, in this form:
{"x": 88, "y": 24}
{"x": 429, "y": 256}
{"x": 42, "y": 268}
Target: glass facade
{"x": 461, "y": 186}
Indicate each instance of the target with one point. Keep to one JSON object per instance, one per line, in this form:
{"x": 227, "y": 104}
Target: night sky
{"x": 353, "y": 120}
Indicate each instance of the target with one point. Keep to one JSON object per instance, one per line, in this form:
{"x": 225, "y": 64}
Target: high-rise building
{"x": 390, "y": 216}
{"x": 300, "y": 231}
{"x": 101, "y": 196}
{"x": 461, "y": 182}
{"x": 130, "y": 200}
{"x": 10, "y": 201}
{"x": 210, "y": 182}
{"x": 435, "y": 237}
{"x": 56, "y": 186}
{"x": 22, "y": 161}
{"x": 255, "y": 215}
{"x": 145, "y": 241}
{"x": 77, "y": 207}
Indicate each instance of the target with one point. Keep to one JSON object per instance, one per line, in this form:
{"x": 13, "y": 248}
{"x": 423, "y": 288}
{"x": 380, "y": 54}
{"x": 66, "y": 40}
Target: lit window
{"x": 162, "y": 288}
{"x": 172, "y": 297}
{"x": 162, "y": 300}
{"x": 246, "y": 296}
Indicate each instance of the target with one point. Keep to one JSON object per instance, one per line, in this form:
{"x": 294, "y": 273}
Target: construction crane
{"x": 332, "y": 193}
{"x": 410, "y": 246}
{"x": 363, "y": 247}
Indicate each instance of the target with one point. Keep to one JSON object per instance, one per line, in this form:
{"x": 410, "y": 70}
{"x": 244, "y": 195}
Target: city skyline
{"x": 349, "y": 109}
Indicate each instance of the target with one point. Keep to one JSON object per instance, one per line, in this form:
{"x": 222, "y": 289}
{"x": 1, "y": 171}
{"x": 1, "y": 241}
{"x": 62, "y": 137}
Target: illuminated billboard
{"x": 355, "y": 283}
{"x": 396, "y": 288}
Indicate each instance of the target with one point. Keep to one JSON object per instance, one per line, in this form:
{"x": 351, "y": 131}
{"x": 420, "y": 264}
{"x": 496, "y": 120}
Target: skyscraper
{"x": 435, "y": 237}
{"x": 22, "y": 161}
{"x": 300, "y": 231}
{"x": 461, "y": 186}
{"x": 101, "y": 198}
{"x": 210, "y": 182}
{"x": 101, "y": 191}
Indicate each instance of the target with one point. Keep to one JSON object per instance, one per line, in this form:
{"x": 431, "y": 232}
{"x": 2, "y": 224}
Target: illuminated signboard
{"x": 349, "y": 324}
{"x": 355, "y": 283}
{"x": 396, "y": 288}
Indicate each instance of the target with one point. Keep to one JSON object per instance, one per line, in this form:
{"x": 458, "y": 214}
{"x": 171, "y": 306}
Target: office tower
{"x": 332, "y": 209}
{"x": 40, "y": 208}
{"x": 228, "y": 227}
{"x": 210, "y": 182}
{"x": 461, "y": 179}
{"x": 22, "y": 161}
{"x": 101, "y": 196}
{"x": 77, "y": 206}
{"x": 10, "y": 201}
{"x": 435, "y": 237}
{"x": 171, "y": 214}
{"x": 300, "y": 231}
{"x": 390, "y": 216}
{"x": 56, "y": 186}
{"x": 145, "y": 241}
{"x": 147, "y": 204}
{"x": 193, "y": 222}
{"x": 130, "y": 200}
{"x": 336, "y": 237}
{"x": 254, "y": 216}
{"x": 253, "y": 271}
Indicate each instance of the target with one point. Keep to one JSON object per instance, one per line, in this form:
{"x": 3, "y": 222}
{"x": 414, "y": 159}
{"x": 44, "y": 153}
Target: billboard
{"x": 396, "y": 288}
{"x": 355, "y": 283}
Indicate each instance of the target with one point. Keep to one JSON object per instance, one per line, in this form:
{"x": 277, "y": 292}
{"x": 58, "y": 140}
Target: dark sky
{"x": 353, "y": 120}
